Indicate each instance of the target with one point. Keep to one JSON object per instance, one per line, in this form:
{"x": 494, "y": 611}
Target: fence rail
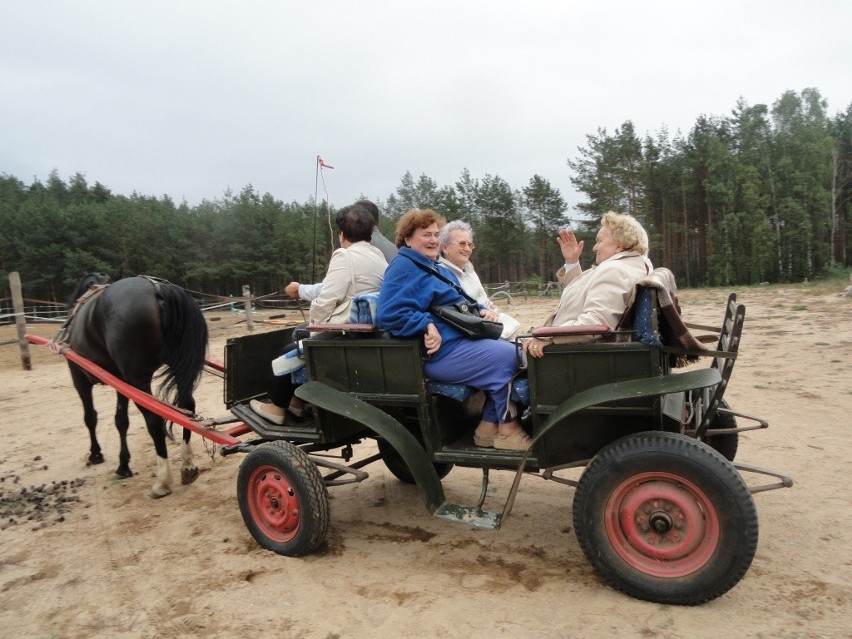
{"x": 510, "y": 290}
{"x": 244, "y": 307}
{"x": 45, "y": 311}
{"x": 41, "y": 311}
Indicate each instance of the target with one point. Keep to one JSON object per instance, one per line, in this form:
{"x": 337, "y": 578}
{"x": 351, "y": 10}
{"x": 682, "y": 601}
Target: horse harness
{"x": 59, "y": 344}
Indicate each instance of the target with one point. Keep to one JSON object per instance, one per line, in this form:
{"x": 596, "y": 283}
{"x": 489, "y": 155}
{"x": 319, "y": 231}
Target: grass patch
{"x": 834, "y": 281}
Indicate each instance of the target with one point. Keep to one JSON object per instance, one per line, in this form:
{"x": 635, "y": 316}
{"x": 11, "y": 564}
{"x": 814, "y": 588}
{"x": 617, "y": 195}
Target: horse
{"x": 131, "y": 328}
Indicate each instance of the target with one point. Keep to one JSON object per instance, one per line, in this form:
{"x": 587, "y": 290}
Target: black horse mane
{"x": 88, "y": 281}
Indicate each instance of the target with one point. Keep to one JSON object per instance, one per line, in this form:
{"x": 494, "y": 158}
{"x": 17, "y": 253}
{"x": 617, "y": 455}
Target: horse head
{"x": 88, "y": 281}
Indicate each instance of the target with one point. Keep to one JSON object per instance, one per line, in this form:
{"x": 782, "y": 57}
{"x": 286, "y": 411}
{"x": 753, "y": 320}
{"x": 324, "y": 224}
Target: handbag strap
{"x": 351, "y": 270}
{"x": 434, "y": 271}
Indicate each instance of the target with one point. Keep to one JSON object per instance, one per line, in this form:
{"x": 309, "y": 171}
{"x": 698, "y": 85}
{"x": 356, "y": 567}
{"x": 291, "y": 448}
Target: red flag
{"x": 322, "y": 164}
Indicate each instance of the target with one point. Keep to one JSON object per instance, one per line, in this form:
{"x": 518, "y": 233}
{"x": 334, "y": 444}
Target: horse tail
{"x": 184, "y": 331}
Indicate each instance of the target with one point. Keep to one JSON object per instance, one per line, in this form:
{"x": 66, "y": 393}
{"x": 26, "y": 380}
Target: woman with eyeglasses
{"x": 455, "y": 244}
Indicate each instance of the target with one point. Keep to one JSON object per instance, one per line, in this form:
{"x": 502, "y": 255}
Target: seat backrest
{"x": 362, "y": 313}
{"x": 373, "y": 367}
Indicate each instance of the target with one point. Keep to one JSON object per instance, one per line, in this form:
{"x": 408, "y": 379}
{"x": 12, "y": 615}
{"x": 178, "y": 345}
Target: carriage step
{"x": 471, "y": 515}
{"x": 306, "y": 432}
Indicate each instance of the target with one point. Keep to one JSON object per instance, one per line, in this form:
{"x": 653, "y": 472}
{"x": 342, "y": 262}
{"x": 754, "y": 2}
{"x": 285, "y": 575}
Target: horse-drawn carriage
{"x": 661, "y": 509}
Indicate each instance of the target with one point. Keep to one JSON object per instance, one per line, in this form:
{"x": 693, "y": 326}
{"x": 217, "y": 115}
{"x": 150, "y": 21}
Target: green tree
{"x": 499, "y": 231}
{"x": 802, "y": 171}
{"x": 12, "y": 195}
{"x": 544, "y": 212}
{"x": 610, "y": 171}
{"x": 841, "y": 187}
{"x": 421, "y": 194}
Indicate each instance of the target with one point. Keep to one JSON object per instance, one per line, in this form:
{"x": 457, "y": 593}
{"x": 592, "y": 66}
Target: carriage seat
{"x": 571, "y": 333}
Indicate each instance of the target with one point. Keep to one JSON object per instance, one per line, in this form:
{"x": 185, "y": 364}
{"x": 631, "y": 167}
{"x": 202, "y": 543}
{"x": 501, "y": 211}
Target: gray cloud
{"x": 188, "y": 99}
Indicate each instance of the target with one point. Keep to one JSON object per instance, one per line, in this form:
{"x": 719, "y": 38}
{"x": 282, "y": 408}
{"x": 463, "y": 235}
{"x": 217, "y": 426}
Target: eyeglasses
{"x": 469, "y": 245}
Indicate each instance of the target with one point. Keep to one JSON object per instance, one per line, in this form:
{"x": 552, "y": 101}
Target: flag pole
{"x": 316, "y": 212}
{"x": 320, "y": 166}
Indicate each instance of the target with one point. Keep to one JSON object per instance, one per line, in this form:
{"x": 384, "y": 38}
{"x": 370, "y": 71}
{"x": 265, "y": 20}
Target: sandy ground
{"x": 108, "y": 561}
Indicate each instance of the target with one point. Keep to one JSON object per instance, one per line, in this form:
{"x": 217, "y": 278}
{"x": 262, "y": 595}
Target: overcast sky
{"x": 188, "y": 99}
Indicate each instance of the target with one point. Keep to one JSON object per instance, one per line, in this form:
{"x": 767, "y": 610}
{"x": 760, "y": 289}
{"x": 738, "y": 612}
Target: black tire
{"x": 399, "y": 468}
{"x": 283, "y": 499}
{"x": 726, "y": 444}
{"x": 663, "y": 517}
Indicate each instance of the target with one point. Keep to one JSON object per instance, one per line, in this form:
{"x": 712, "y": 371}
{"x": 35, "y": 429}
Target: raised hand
{"x": 570, "y": 247}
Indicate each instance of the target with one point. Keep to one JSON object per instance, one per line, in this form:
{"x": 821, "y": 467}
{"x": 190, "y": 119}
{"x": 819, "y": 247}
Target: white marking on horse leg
{"x": 163, "y": 485}
{"x": 189, "y": 471}
{"x": 186, "y": 454}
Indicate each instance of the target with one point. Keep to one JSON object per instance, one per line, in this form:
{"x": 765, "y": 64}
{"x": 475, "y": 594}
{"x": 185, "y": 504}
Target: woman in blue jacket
{"x": 407, "y": 292}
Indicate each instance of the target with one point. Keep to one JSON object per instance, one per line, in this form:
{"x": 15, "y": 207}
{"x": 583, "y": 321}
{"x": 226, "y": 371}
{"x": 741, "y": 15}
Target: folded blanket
{"x": 363, "y": 309}
{"x": 671, "y": 330}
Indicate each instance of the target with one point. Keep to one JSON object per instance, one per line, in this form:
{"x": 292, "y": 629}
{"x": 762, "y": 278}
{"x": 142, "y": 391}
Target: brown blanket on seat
{"x": 673, "y": 333}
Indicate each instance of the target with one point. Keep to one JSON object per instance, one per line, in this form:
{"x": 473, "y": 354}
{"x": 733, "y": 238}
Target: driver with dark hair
{"x": 356, "y": 268}
{"x": 309, "y": 292}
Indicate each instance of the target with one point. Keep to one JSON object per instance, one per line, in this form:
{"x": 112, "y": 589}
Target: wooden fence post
{"x": 247, "y": 306}
{"x": 20, "y": 320}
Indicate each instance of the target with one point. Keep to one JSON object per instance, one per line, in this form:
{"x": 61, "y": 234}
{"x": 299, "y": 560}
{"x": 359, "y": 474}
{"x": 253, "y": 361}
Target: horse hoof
{"x": 95, "y": 459}
{"x": 123, "y": 473}
{"x": 188, "y": 475}
{"x": 159, "y": 491}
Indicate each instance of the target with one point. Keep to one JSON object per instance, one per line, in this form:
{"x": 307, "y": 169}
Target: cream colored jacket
{"x": 469, "y": 281}
{"x": 601, "y": 294}
{"x": 357, "y": 270}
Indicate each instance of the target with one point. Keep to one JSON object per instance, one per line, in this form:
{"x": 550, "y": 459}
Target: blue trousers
{"x": 486, "y": 364}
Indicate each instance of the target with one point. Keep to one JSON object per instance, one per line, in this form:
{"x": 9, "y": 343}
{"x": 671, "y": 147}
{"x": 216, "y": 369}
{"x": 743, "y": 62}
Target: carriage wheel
{"x": 663, "y": 517}
{"x": 728, "y": 443}
{"x": 399, "y": 469}
{"x": 283, "y": 499}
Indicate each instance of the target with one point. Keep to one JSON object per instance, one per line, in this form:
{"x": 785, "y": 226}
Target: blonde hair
{"x": 414, "y": 219}
{"x": 626, "y": 231}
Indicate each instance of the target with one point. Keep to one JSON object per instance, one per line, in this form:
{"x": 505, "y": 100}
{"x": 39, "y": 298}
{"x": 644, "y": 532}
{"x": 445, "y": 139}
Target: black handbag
{"x": 467, "y": 321}
{"x": 463, "y": 316}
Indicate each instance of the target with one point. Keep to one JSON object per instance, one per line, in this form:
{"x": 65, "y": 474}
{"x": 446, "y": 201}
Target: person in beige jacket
{"x": 601, "y": 294}
{"x": 356, "y": 268}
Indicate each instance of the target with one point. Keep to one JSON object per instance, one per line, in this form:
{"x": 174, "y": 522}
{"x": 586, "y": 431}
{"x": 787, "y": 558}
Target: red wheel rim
{"x": 274, "y": 503}
{"x": 662, "y": 524}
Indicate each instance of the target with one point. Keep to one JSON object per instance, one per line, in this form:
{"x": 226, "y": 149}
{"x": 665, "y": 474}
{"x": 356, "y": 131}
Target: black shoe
{"x": 292, "y": 419}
